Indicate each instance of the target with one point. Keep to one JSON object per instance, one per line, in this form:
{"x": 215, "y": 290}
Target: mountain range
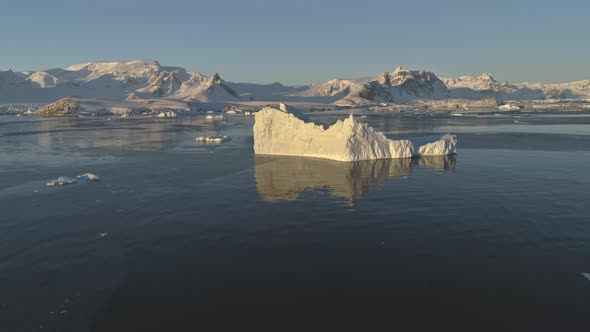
{"x": 148, "y": 80}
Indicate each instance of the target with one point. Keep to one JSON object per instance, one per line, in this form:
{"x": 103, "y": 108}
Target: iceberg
{"x": 285, "y": 132}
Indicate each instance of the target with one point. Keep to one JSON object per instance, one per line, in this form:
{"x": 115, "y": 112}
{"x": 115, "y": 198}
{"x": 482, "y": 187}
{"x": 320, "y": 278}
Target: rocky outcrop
{"x": 63, "y": 107}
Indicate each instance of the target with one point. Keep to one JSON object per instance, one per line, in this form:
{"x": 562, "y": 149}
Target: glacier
{"x": 284, "y": 132}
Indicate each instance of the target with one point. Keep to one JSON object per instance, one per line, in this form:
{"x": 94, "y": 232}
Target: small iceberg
{"x": 166, "y": 114}
{"x": 213, "y": 139}
{"x": 287, "y": 132}
{"x": 62, "y": 181}
{"x": 88, "y": 177}
{"x": 215, "y": 117}
{"x": 510, "y": 107}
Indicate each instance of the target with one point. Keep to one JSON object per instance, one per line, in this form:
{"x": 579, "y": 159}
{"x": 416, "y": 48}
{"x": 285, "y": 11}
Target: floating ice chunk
{"x": 510, "y": 107}
{"x": 587, "y": 275}
{"x": 283, "y": 132}
{"x": 213, "y": 139}
{"x": 88, "y": 177}
{"x": 166, "y": 114}
{"x": 434, "y": 145}
{"x": 62, "y": 181}
{"x": 215, "y": 117}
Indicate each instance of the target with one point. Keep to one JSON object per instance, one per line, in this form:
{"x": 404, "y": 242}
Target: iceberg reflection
{"x": 285, "y": 178}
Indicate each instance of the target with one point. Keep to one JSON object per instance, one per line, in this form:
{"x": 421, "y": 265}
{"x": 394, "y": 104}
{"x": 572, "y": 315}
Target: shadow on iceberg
{"x": 286, "y": 178}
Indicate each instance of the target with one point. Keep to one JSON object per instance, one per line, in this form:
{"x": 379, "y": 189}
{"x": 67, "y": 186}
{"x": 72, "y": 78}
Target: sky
{"x": 300, "y": 41}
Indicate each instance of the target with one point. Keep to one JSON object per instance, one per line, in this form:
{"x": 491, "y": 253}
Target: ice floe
{"x": 287, "y": 132}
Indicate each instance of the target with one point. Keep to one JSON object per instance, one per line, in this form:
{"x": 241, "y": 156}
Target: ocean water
{"x": 180, "y": 235}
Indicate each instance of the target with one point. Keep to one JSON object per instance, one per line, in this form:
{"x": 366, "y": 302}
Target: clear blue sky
{"x": 297, "y": 41}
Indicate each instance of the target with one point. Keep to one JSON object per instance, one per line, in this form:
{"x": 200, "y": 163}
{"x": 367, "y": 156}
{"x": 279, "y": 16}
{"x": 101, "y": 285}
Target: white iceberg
{"x": 284, "y": 132}
{"x": 215, "y": 117}
{"x": 62, "y": 181}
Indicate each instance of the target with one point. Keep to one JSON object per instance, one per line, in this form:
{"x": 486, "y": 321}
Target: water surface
{"x": 180, "y": 233}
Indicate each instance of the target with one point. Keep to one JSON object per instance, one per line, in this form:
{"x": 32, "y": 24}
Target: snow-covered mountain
{"x": 398, "y": 86}
{"x": 485, "y": 86}
{"x": 114, "y": 80}
{"x": 147, "y": 79}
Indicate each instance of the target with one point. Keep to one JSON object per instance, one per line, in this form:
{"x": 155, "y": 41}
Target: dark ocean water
{"x": 180, "y": 235}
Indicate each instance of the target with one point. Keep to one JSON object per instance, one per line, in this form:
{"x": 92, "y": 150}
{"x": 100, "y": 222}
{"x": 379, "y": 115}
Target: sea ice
{"x": 62, "y": 181}
{"x": 284, "y": 132}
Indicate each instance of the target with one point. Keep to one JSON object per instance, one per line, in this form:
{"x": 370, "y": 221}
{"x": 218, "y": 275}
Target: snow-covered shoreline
{"x": 146, "y": 85}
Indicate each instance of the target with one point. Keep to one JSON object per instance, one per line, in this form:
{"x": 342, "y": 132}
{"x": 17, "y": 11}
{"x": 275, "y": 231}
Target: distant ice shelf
{"x": 286, "y": 132}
